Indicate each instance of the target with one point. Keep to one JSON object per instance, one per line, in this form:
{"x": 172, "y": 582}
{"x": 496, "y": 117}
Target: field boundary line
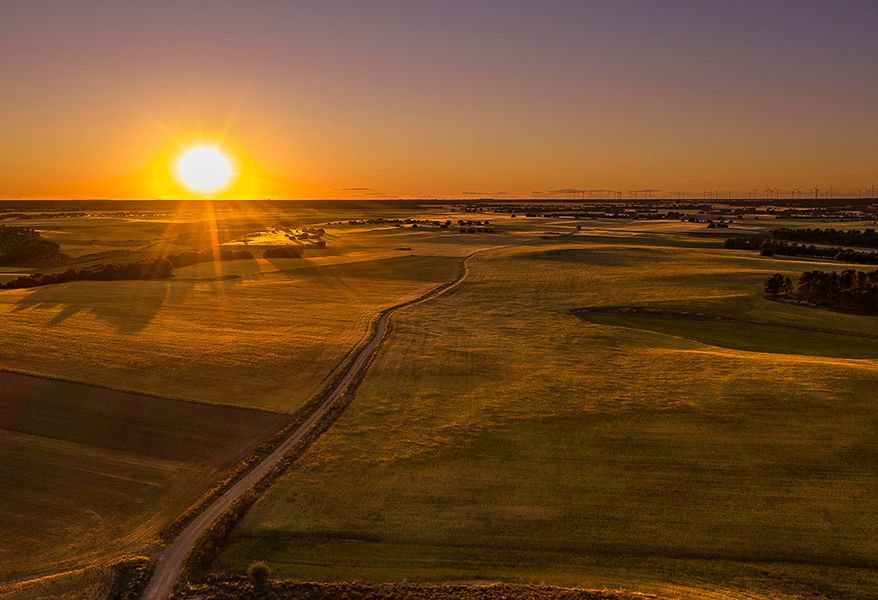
{"x": 123, "y": 390}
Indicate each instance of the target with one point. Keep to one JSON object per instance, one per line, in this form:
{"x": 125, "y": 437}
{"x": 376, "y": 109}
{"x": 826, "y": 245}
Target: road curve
{"x": 170, "y": 560}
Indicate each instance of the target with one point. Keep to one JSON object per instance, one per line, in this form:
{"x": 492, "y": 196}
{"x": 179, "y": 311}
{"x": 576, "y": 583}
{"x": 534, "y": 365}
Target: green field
{"x": 499, "y": 437}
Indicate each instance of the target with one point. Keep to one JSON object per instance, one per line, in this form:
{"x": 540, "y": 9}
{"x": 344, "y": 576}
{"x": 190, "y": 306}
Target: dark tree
{"x": 25, "y": 244}
{"x": 850, "y": 291}
{"x": 778, "y": 285}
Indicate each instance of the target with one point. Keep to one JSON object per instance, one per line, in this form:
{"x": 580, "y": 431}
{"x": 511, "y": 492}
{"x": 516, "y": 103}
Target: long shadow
{"x": 129, "y": 313}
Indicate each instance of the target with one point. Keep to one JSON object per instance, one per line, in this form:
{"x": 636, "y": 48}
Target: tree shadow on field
{"x": 130, "y": 309}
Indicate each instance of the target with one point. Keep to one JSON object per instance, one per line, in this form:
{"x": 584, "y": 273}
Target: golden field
{"x": 499, "y": 437}
{"x": 94, "y": 469}
{"x": 281, "y": 326}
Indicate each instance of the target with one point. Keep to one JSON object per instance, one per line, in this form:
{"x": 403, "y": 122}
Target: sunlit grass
{"x": 500, "y": 437}
{"x": 271, "y": 330}
{"x": 497, "y": 436}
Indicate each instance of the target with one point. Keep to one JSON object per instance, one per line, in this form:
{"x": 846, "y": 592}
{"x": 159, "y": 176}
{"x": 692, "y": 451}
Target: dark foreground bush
{"x": 283, "y": 252}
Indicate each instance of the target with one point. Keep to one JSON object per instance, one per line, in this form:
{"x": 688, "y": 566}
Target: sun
{"x": 205, "y": 169}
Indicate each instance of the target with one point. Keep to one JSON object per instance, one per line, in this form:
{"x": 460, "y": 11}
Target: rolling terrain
{"x": 169, "y": 565}
{"x": 523, "y": 444}
{"x": 613, "y": 406}
{"x": 280, "y": 326}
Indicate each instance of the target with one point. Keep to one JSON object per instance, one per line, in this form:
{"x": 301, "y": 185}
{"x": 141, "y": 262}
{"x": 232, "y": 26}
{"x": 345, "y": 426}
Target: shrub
{"x": 259, "y": 573}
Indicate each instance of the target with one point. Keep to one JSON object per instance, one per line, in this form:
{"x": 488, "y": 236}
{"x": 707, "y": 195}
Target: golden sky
{"x": 351, "y": 99}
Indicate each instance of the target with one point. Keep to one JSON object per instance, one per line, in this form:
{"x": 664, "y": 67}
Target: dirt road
{"x": 170, "y": 561}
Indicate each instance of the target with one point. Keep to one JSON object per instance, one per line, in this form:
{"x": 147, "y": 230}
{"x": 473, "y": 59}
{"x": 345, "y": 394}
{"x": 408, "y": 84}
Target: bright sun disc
{"x": 204, "y": 169}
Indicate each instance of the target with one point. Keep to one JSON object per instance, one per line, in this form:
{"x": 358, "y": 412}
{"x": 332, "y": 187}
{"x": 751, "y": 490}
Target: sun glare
{"x": 205, "y": 169}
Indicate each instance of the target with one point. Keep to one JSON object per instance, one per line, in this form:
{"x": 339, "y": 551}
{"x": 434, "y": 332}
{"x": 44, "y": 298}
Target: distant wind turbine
{"x": 646, "y": 192}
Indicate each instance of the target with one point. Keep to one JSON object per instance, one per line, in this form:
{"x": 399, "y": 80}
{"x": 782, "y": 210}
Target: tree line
{"x": 849, "y": 291}
{"x": 26, "y": 244}
{"x": 770, "y": 247}
{"x": 867, "y": 238}
{"x": 148, "y": 268}
{"x": 185, "y": 259}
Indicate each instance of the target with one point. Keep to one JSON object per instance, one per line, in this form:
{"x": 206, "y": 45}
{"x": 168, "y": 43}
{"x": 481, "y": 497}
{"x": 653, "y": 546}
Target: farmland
{"x": 437, "y": 300}
{"x": 281, "y": 325}
{"x": 90, "y": 473}
{"x": 97, "y": 470}
{"x": 607, "y": 403}
{"x": 671, "y": 455}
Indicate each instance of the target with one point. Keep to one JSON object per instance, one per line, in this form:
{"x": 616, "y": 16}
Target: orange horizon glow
{"x": 424, "y": 100}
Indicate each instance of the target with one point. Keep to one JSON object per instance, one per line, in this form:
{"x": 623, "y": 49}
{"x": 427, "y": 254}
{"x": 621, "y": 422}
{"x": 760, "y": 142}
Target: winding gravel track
{"x": 170, "y": 561}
